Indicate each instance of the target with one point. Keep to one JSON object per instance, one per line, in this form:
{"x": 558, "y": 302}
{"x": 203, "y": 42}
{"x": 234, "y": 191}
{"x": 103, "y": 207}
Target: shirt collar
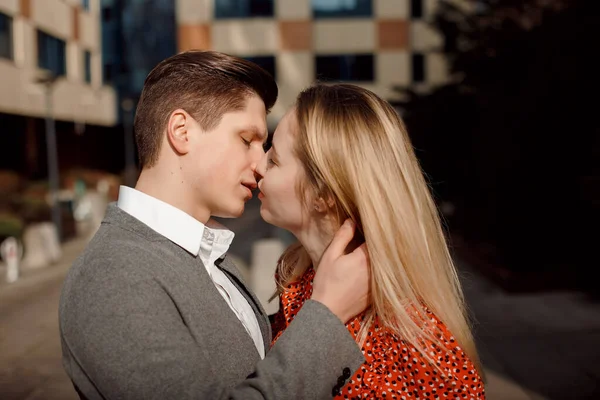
{"x": 175, "y": 224}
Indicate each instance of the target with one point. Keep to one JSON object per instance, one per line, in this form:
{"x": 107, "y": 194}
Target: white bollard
{"x": 265, "y": 253}
{"x": 52, "y": 242}
{"x": 9, "y": 250}
{"x": 33, "y": 240}
{"x": 42, "y": 246}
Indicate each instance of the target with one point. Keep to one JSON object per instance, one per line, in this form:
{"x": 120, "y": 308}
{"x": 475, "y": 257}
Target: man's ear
{"x": 178, "y": 131}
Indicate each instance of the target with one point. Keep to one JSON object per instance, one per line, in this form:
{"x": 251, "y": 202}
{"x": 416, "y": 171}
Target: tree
{"x": 512, "y": 140}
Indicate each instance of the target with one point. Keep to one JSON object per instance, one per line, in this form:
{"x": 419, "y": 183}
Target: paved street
{"x": 30, "y": 355}
{"x": 548, "y": 343}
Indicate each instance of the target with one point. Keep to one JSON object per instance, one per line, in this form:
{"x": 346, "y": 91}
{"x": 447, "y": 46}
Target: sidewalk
{"x": 546, "y": 343}
{"x": 31, "y": 277}
{"x": 30, "y": 353}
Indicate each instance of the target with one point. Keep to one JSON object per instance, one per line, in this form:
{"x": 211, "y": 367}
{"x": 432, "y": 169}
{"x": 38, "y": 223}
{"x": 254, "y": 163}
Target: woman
{"x": 342, "y": 152}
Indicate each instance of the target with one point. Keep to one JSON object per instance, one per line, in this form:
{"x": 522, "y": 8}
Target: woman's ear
{"x": 320, "y": 205}
{"x": 324, "y": 203}
{"x": 330, "y": 201}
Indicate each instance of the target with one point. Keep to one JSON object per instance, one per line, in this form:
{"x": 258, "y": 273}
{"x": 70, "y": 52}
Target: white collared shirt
{"x": 210, "y": 242}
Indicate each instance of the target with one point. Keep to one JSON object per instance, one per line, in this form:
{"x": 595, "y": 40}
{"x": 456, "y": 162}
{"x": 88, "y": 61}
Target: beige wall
{"x": 9, "y": 7}
{"x": 392, "y": 67}
{"x": 391, "y": 8}
{"x": 75, "y": 63}
{"x": 89, "y": 31}
{"x": 344, "y": 36}
{"x": 292, "y": 9}
{"x": 72, "y": 101}
{"x": 253, "y": 37}
{"x": 294, "y": 38}
{"x": 424, "y": 38}
{"x": 194, "y": 11}
{"x": 21, "y": 41}
{"x": 436, "y": 69}
{"x": 295, "y": 72}
{"x": 73, "y": 98}
{"x": 53, "y": 17}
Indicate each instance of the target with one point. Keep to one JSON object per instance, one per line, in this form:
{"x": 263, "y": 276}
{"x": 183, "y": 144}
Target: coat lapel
{"x": 234, "y": 274}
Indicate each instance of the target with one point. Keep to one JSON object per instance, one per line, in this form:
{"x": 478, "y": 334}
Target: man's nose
{"x": 259, "y": 169}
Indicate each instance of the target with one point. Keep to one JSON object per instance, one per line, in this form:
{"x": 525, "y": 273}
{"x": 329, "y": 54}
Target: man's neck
{"x": 164, "y": 186}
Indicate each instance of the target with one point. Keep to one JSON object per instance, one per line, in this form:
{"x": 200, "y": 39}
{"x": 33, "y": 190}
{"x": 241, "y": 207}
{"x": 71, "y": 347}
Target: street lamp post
{"x": 48, "y": 79}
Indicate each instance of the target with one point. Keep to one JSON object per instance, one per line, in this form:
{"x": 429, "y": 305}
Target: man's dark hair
{"x": 206, "y": 84}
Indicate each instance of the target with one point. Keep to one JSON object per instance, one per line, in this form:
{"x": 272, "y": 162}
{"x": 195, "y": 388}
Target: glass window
{"x": 85, "y": 4}
{"x": 418, "y": 67}
{"x": 107, "y": 75}
{"x": 51, "y": 53}
{"x": 138, "y": 77}
{"x": 87, "y": 65}
{"x": 243, "y": 8}
{"x": 416, "y": 8}
{"x": 266, "y": 62}
{"x": 106, "y": 14}
{"x": 6, "y": 36}
{"x": 348, "y": 67}
{"x": 342, "y": 8}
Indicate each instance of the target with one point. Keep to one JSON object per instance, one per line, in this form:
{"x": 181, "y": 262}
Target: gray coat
{"x": 140, "y": 318}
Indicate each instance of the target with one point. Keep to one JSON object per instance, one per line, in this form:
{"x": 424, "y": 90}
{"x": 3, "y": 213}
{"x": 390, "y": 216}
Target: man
{"x": 153, "y": 309}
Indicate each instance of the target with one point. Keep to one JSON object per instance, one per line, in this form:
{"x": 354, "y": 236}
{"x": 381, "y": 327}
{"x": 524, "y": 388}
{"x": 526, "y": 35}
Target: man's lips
{"x": 249, "y": 186}
{"x": 248, "y": 191}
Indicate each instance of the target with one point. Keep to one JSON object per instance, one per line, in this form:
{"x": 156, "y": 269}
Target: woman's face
{"x": 281, "y": 170}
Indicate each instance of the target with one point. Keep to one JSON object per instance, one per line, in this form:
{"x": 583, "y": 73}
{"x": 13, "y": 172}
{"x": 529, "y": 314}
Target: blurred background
{"x": 494, "y": 96}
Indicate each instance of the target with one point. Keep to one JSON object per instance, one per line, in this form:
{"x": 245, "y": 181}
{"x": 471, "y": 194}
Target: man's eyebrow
{"x": 262, "y": 135}
{"x": 273, "y": 148}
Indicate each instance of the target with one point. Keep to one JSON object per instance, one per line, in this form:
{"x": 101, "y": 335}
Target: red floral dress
{"x": 393, "y": 369}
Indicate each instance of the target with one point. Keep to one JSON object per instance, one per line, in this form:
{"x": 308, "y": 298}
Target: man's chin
{"x": 232, "y": 213}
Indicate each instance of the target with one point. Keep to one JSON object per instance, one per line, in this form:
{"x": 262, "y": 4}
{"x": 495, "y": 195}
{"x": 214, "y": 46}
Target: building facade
{"x": 378, "y": 44}
{"x": 57, "y": 42}
{"x": 60, "y": 36}
{"x": 136, "y": 35}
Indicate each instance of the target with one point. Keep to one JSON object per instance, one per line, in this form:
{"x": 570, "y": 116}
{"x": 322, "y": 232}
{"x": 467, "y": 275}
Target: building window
{"x": 85, "y": 4}
{"x": 138, "y": 77}
{"x": 348, "y": 67}
{"x": 243, "y": 8}
{"x": 87, "y": 66}
{"x": 418, "y": 67}
{"x": 416, "y": 8}
{"x": 6, "y": 36}
{"x": 266, "y": 62}
{"x": 51, "y": 53}
{"x": 342, "y": 8}
{"x": 107, "y": 75}
{"x": 106, "y": 14}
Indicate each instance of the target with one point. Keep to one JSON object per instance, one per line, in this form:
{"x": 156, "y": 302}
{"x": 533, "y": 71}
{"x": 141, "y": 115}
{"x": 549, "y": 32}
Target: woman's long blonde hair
{"x": 356, "y": 151}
